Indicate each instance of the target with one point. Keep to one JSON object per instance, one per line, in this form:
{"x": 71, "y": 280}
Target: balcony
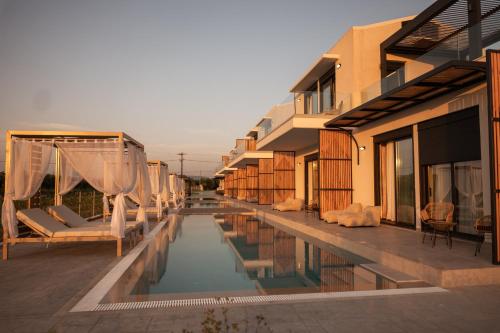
{"x": 451, "y": 65}
{"x": 289, "y": 118}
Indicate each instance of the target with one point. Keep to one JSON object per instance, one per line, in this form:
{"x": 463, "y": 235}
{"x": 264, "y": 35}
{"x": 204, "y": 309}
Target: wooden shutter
{"x": 265, "y": 181}
{"x": 493, "y": 71}
{"x": 252, "y": 183}
{"x": 242, "y": 184}
{"x": 235, "y": 184}
{"x": 227, "y": 186}
{"x": 284, "y": 175}
{"x": 335, "y": 170}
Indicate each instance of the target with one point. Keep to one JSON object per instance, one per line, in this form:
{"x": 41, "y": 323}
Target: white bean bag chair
{"x": 369, "y": 217}
{"x": 290, "y": 205}
{"x": 332, "y": 215}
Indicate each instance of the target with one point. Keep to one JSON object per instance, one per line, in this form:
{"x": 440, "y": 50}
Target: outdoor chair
{"x": 45, "y": 229}
{"x": 438, "y": 217}
{"x": 482, "y": 226}
{"x": 312, "y": 208}
{"x": 369, "y": 217}
{"x": 332, "y": 215}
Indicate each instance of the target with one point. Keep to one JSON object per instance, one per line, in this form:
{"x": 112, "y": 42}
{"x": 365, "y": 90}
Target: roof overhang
{"x": 442, "y": 22}
{"x": 451, "y": 76}
{"x": 253, "y": 132}
{"x": 317, "y": 70}
{"x": 297, "y": 133}
{"x": 224, "y": 171}
{"x": 249, "y": 157}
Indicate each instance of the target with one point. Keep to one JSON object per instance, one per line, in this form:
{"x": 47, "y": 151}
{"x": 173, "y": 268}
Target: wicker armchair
{"x": 438, "y": 216}
{"x": 482, "y": 227}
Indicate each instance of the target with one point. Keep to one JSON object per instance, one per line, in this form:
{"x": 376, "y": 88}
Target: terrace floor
{"x": 397, "y": 248}
{"x": 39, "y": 285}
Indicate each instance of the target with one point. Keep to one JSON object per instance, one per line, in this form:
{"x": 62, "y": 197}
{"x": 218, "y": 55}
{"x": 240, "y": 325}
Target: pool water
{"x": 196, "y": 256}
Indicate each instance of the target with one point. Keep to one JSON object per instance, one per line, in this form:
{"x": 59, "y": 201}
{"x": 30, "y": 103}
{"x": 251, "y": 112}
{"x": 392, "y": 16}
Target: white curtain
{"x": 165, "y": 196}
{"x": 173, "y": 189}
{"x": 469, "y": 183}
{"x": 442, "y": 183}
{"x": 391, "y": 182}
{"x": 69, "y": 177}
{"x": 29, "y": 163}
{"x": 109, "y": 168}
{"x": 141, "y": 193}
{"x": 155, "y": 177}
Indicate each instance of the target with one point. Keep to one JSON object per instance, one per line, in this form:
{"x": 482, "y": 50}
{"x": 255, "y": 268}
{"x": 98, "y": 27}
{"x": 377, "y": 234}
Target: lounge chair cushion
{"x": 369, "y": 217}
{"x": 332, "y": 215}
{"x": 83, "y": 232}
{"x": 40, "y": 221}
{"x": 290, "y": 204}
{"x": 93, "y": 224}
{"x": 67, "y": 216}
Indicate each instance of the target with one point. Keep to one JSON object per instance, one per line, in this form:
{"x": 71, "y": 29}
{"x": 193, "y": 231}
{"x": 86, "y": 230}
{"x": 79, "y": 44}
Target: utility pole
{"x": 182, "y": 163}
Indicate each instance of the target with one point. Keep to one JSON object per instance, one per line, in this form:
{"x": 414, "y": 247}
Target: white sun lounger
{"x": 52, "y": 231}
{"x": 65, "y": 215}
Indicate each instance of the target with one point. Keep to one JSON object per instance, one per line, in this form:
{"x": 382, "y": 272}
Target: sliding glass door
{"x": 312, "y": 182}
{"x": 396, "y": 183}
{"x": 405, "y": 180}
{"x": 459, "y": 183}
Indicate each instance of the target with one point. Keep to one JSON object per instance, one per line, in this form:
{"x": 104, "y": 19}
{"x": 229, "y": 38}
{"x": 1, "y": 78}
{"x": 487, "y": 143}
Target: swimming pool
{"x": 206, "y": 256}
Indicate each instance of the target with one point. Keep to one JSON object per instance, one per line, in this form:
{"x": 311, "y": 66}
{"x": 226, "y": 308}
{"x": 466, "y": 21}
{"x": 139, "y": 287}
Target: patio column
{"x": 493, "y": 84}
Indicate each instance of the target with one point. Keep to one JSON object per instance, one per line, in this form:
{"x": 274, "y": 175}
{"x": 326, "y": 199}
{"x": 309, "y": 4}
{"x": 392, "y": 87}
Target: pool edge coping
{"x": 95, "y": 295}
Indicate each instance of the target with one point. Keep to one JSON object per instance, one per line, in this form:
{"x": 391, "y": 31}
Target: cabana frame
{"x": 60, "y": 136}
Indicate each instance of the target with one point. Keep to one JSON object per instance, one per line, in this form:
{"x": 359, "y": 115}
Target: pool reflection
{"x": 233, "y": 255}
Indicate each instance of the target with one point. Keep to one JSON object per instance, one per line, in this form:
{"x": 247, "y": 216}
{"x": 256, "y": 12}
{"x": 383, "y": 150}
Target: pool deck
{"x": 39, "y": 286}
{"x": 396, "y": 248}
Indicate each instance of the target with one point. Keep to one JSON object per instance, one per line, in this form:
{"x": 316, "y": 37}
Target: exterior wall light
{"x": 338, "y": 65}
{"x": 362, "y": 147}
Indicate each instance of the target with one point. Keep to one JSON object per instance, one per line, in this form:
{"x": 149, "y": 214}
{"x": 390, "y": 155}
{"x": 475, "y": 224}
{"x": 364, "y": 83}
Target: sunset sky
{"x": 178, "y": 76}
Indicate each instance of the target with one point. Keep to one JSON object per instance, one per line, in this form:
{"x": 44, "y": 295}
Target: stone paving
{"x": 39, "y": 285}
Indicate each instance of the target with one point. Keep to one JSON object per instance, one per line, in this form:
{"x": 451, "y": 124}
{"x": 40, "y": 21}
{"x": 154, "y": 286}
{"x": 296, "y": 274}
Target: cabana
{"x": 111, "y": 162}
{"x": 158, "y": 176}
{"x": 174, "y": 189}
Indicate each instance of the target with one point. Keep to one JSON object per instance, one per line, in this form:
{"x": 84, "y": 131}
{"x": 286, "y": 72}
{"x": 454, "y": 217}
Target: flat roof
{"x": 451, "y": 76}
{"x": 315, "y": 72}
{"x": 74, "y": 135}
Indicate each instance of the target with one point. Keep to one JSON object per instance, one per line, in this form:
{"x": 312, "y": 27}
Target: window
{"x": 327, "y": 98}
{"x": 311, "y": 102}
{"x": 395, "y": 183}
{"x": 320, "y": 97}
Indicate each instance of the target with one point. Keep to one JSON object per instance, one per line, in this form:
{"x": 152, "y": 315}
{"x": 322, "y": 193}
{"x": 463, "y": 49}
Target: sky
{"x": 183, "y": 75}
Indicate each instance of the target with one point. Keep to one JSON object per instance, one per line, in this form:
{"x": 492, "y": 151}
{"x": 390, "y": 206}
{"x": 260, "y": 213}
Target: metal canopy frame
{"x": 451, "y": 76}
{"x": 440, "y": 22}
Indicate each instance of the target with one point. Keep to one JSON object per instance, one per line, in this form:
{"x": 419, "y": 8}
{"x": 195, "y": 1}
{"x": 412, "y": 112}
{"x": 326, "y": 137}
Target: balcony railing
{"x": 456, "y": 47}
{"x": 294, "y": 104}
